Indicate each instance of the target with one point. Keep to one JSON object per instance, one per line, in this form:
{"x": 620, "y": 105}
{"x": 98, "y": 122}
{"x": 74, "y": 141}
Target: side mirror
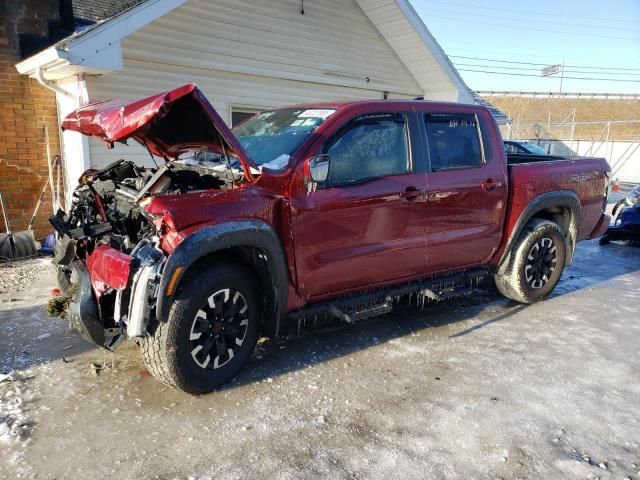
{"x": 319, "y": 168}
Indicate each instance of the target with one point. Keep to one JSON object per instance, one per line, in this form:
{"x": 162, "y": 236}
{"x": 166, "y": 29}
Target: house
{"x": 246, "y": 55}
{"x": 28, "y": 111}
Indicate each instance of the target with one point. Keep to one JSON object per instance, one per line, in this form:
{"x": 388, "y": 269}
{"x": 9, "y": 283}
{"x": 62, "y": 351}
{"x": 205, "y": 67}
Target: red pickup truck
{"x": 321, "y": 210}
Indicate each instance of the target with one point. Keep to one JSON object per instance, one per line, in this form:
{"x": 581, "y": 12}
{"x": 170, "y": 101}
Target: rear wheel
{"x": 536, "y": 263}
{"x": 211, "y": 331}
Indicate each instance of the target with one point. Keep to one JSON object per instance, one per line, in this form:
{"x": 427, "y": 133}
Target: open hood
{"x": 167, "y": 123}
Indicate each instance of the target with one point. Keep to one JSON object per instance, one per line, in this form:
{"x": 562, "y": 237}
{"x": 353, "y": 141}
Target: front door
{"x": 366, "y": 224}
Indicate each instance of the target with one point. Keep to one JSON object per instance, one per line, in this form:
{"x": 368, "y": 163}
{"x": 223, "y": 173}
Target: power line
{"x": 500, "y": 61}
{"x": 546, "y": 21}
{"x": 538, "y": 69}
{"x": 557, "y": 32}
{"x": 542, "y": 64}
{"x": 538, "y": 76}
{"x": 519, "y": 52}
{"x": 502, "y": 67}
{"x": 530, "y": 12}
{"x": 602, "y": 68}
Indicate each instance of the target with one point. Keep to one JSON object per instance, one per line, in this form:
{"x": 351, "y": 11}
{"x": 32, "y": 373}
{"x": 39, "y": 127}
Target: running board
{"x": 380, "y": 302}
{"x": 447, "y": 293}
{"x": 362, "y": 312}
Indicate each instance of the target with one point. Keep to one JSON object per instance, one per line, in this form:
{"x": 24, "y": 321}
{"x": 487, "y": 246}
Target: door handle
{"x": 490, "y": 185}
{"x": 411, "y": 193}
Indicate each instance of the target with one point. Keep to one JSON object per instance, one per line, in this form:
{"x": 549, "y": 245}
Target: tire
{"x": 536, "y": 263}
{"x": 209, "y": 334}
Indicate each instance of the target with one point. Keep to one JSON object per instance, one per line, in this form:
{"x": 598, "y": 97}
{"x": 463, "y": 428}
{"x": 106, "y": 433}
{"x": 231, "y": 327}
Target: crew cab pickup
{"x": 335, "y": 210}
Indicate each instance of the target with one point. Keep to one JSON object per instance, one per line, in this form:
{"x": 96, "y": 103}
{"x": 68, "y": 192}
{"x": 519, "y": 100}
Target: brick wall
{"x": 25, "y": 108}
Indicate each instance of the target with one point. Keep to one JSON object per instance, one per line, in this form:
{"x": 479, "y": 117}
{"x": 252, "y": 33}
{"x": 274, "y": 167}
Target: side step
{"x": 363, "y": 312}
{"x": 380, "y": 302}
{"x": 449, "y": 292}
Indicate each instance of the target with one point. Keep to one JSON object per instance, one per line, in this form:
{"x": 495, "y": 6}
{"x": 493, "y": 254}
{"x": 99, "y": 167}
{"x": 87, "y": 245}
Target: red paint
{"x": 108, "y": 266}
{"x": 347, "y": 239}
{"x": 101, "y": 210}
{"x": 465, "y": 214}
{"x": 142, "y": 120}
{"x": 584, "y": 176}
{"x": 602, "y": 226}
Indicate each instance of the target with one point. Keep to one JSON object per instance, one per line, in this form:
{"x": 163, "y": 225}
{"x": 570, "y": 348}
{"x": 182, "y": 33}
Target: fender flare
{"x": 562, "y": 198}
{"x": 245, "y": 233}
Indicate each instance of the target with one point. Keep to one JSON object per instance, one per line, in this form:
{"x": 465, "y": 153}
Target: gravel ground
{"x": 16, "y": 276}
{"x": 476, "y": 388}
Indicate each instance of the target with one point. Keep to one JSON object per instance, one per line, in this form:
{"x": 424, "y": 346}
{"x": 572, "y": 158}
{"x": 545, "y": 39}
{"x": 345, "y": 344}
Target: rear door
{"x": 467, "y": 187}
{"x": 366, "y": 224}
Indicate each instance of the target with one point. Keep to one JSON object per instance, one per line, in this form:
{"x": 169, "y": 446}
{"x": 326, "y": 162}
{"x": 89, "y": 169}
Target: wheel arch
{"x": 250, "y": 242}
{"x": 561, "y": 207}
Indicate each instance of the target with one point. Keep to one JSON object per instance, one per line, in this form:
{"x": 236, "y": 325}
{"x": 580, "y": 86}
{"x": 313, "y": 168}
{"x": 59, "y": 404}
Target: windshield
{"x": 534, "y": 149}
{"x": 271, "y": 137}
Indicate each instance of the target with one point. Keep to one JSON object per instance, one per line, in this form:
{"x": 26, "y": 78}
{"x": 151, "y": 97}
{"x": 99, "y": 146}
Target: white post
{"x": 549, "y": 122}
{"x": 74, "y": 146}
{"x": 573, "y": 127}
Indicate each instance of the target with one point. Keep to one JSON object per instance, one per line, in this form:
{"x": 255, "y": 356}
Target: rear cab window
{"x": 454, "y": 141}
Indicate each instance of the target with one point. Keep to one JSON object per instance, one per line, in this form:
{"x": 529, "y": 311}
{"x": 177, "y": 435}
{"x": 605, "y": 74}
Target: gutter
{"x": 39, "y": 76}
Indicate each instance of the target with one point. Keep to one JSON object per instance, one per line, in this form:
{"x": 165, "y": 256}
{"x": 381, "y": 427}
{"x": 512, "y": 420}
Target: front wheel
{"x": 211, "y": 331}
{"x": 536, "y": 263}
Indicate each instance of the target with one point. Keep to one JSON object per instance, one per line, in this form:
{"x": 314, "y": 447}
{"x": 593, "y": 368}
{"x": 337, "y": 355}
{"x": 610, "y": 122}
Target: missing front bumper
{"x": 83, "y": 314}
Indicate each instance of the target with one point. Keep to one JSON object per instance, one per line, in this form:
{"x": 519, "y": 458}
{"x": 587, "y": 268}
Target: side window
{"x": 453, "y": 141}
{"x": 240, "y": 115}
{"x": 370, "y": 146}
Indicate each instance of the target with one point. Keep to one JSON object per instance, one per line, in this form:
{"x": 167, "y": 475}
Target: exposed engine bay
{"x": 108, "y": 250}
{"x": 108, "y": 205}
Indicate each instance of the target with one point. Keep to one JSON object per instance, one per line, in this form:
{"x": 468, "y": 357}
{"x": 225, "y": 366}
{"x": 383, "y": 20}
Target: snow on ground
{"x": 473, "y": 388}
{"x": 17, "y": 275}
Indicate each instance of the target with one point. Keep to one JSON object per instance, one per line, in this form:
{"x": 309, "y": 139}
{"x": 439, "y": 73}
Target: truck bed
{"x": 518, "y": 158}
{"x": 584, "y": 176}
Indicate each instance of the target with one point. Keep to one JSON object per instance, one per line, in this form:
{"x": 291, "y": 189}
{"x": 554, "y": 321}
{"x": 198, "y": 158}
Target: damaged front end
{"x": 111, "y": 251}
{"x": 101, "y": 313}
{"x": 113, "y": 243}
{"x": 109, "y": 257}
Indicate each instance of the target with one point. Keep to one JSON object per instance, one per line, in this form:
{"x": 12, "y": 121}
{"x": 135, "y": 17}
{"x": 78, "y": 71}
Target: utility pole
{"x": 561, "y": 75}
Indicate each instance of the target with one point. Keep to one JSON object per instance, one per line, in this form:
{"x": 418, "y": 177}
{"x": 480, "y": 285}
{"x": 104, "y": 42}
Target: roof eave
{"x": 48, "y": 57}
{"x": 97, "y": 49}
{"x": 464, "y": 92}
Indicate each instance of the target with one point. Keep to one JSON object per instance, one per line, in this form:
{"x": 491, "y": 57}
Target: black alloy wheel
{"x": 541, "y": 262}
{"x": 219, "y": 328}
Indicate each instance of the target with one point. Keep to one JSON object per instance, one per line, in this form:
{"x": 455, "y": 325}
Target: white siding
{"x": 255, "y": 54}
{"x": 425, "y": 64}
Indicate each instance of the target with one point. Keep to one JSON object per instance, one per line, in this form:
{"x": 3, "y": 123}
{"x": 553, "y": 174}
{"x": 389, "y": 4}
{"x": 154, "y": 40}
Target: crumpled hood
{"x": 167, "y": 123}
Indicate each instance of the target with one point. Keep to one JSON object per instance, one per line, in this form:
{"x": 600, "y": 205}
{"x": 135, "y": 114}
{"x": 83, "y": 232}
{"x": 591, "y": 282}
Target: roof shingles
{"x": 97, "y": 10}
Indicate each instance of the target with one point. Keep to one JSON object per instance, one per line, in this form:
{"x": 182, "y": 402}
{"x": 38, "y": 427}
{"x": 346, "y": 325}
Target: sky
{"x": 594, "y": 38}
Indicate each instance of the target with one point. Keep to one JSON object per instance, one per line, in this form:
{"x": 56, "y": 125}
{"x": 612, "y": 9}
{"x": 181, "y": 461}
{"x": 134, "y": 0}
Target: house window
{"x": 240, "y": 115}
